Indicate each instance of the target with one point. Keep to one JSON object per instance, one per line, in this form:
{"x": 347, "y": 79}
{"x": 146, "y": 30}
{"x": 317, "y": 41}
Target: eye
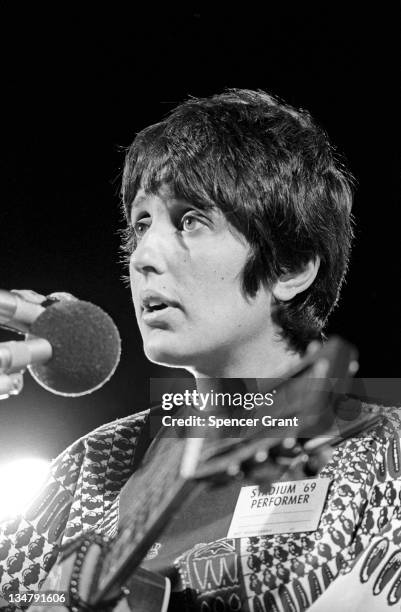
{"x": 190, "y": 222}
{"x": 140, "y": 227}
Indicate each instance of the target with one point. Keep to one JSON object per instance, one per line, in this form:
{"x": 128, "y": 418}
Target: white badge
{"x": 289, "y": 507}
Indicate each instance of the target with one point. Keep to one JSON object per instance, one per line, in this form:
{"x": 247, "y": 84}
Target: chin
{"x": 159, "y": 353}
{"x": 178, "y": 355}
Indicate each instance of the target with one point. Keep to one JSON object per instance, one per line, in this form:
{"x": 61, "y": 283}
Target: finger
{"x": 29, "y": 296}
{"x": 11, "y": 384}
{"x": 62, "y": 296}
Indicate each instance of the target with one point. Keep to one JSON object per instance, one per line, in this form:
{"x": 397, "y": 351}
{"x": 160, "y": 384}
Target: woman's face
{"x": 186, "y": 274}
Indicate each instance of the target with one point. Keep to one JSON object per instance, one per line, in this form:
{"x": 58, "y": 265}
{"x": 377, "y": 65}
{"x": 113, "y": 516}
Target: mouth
{"x": 154, "y": 307}
{"x": 150, "y": 305}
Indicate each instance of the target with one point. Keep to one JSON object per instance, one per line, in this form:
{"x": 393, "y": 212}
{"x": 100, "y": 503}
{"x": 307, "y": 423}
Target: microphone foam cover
{"x": 86, "y": 348}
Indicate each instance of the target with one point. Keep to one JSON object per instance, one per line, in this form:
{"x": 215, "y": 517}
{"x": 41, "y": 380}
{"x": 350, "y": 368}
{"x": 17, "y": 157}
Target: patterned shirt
{"x": 265, "y": 573}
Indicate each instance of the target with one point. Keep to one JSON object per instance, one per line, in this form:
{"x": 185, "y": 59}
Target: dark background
{"x": 77, "y": 87}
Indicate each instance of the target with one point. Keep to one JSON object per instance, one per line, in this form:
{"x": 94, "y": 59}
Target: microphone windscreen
{"x": 86, "y": 348}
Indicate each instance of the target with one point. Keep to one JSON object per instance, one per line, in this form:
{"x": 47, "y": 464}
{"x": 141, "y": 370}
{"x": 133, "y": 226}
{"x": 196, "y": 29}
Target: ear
{"x": 289, "y": 285}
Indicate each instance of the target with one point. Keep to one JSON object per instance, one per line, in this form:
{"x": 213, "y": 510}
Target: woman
{"x": 238, "y": 240}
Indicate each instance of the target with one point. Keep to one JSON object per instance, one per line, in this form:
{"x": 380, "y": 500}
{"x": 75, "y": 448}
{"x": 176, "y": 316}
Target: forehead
{"x": 164, "y": 192}
{"x": 144, "y": 198}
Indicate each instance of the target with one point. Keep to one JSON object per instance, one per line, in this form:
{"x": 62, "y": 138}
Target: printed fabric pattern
{"x": 81, "y": 494}
{"x": 269, "y": 573}
{"x": 288, "y": 572}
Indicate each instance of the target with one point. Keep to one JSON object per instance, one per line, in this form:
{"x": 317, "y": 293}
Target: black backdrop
{"x": 77, "y": 87}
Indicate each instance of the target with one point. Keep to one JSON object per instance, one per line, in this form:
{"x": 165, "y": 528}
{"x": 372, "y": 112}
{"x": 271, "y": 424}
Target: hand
{"x": 11, "y": 384}
{"x": 41, "y": 302}
{"x": 36, "y": 298}
{"x": 29, "y": 296}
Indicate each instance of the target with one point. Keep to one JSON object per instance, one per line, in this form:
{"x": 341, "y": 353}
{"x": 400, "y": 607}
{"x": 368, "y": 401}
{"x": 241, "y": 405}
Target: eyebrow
{"x": 136, "y": 202}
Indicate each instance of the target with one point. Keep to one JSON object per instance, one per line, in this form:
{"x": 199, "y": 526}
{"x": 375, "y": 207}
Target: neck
{"x": 274, "y": 362}
{"x": 248, "y": 373}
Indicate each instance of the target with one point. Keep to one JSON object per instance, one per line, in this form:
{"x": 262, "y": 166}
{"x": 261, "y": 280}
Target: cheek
{"x": 218, "y": 294}
{"x": 222, "y": 267}
{"x": 134, "y": 294}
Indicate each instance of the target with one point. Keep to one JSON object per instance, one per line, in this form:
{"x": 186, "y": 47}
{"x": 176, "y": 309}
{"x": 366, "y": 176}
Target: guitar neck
{"x": 160, "y": 487}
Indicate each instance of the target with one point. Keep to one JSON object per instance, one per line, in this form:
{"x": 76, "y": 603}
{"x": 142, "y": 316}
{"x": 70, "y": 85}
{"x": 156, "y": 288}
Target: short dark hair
{"x": 273, "y": 173}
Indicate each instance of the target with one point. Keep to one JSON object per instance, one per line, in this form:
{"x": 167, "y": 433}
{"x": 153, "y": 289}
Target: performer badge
{"x": 288, "y": 507}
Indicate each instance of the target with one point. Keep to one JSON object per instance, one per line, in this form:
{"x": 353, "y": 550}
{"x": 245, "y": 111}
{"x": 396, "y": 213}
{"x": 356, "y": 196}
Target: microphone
{"x": 17, "y": 313}
{"x": 76, "y": 348}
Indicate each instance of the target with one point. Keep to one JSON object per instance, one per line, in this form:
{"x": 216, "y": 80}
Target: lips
{"x": 153, "y": 302}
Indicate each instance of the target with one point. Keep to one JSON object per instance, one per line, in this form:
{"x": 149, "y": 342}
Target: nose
{"x": 151, "y": 254}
